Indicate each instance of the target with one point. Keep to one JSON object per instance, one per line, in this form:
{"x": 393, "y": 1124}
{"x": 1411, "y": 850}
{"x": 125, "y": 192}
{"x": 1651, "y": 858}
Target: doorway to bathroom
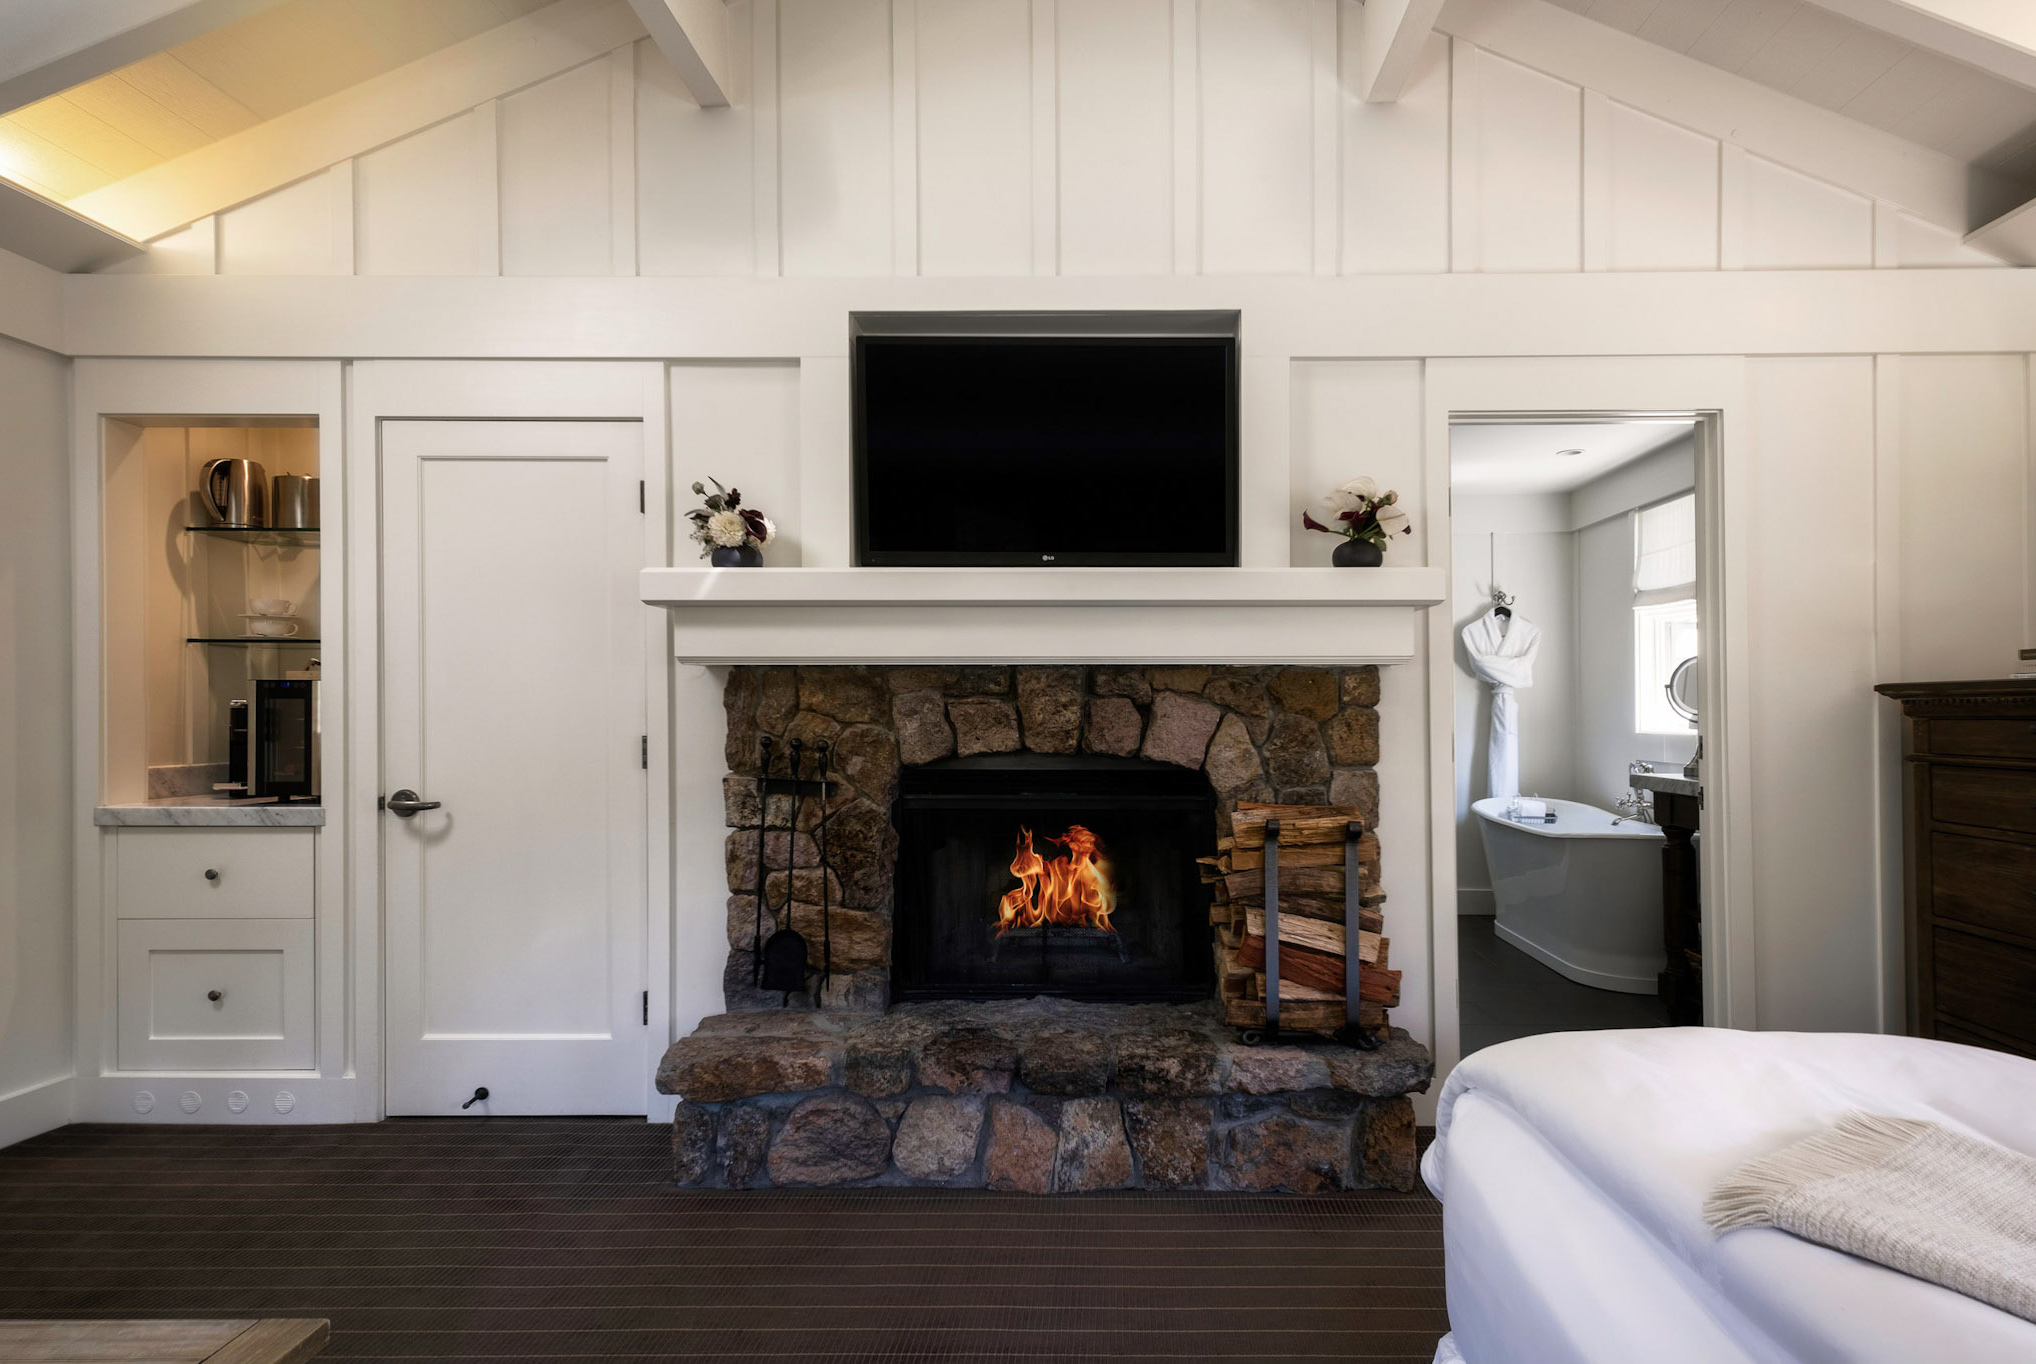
{"x": 1575, "y": 570}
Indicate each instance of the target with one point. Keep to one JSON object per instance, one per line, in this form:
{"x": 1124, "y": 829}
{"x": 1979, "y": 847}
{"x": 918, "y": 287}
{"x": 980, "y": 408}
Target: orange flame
{"x": 1074, "y": 889}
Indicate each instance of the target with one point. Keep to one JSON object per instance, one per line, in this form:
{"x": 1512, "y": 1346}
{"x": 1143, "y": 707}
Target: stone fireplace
{"x": 1021, "y": 990}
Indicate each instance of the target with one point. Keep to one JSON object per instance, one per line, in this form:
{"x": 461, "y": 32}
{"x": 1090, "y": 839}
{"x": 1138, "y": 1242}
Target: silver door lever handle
{"x": 405, "y": 803}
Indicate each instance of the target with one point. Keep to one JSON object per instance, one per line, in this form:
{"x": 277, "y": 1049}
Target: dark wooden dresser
{"x": 1969, "y": 860}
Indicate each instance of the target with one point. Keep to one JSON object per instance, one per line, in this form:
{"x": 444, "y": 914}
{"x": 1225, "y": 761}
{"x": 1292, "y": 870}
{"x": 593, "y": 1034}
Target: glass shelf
{"x": 250, "y": 640}
{"x": 296, "y": 537}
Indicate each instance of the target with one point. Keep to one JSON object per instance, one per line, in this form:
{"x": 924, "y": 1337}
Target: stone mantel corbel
{"x": 1044, "y": 615}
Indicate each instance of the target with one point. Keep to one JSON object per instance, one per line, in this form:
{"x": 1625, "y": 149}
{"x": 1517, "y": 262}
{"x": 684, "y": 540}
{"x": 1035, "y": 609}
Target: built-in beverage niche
{"x": 212, "y": 609}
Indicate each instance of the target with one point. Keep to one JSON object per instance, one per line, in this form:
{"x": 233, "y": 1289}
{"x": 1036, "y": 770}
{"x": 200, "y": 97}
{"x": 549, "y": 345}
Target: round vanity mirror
{"x": 1682, "y": 690}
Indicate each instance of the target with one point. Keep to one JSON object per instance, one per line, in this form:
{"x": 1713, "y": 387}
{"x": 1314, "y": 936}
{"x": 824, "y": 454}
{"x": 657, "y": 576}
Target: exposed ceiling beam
{"x": 52, "y": 45}
{"x": 49, "y": 234}
{"x": 2012, "y": 236}
{"x": 1395, "y": 31}
{"x": 693, "y": 35}
{"x": 361, "y": 118}
{"x": 1997, "y": 36}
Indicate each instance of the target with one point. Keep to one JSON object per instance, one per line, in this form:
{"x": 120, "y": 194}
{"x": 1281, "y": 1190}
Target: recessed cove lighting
{"x": 1569, "y": 452}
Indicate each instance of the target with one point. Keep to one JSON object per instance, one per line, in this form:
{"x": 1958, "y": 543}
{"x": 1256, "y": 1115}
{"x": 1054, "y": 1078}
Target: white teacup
{"x": 269, "y": 606}
{"x": 271, "y": 628}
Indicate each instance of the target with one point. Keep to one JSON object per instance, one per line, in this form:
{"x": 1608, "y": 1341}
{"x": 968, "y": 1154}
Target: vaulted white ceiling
{"x": 279, "y": 58}
{"x": 1864, "y": 72}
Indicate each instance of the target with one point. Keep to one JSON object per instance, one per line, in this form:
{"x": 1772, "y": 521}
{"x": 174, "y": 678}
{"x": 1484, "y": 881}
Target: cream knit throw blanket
{"x": 1950, "y": 1209}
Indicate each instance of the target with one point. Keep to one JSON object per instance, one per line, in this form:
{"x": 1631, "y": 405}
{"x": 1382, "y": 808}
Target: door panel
{"x": 514, "y": 696}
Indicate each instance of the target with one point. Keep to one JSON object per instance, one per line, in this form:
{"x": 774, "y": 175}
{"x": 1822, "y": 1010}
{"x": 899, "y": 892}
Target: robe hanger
{"x": 1502, "y": 605}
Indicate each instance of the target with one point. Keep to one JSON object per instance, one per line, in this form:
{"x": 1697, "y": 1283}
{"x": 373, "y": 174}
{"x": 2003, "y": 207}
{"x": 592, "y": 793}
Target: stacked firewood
{"x": 1314, "y": 936}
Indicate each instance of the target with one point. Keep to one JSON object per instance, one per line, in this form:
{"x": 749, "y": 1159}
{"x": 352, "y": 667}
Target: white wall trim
{"x": 31, "y": 302}
{"x": 35, "y": 1109}
{"x": 904, "y": 137}
{"x": 763, "y": 67}
{"x": 1045, "y": 139}
{"x": 1851, "y": 312}
{"x": 1187, "y": 139}
{"x": 622, "y": 160}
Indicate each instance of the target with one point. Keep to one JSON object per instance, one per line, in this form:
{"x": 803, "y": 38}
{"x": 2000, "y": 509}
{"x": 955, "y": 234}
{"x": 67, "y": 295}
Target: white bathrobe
{"x": 1502, "y": 654}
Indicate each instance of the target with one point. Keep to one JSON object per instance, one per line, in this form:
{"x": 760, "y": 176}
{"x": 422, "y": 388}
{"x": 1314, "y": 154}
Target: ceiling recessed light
{"x": 1569, "y": 452}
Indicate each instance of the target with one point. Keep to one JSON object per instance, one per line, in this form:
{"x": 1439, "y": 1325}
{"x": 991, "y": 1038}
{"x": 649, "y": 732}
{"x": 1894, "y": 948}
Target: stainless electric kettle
{"x": 236, "y": 491}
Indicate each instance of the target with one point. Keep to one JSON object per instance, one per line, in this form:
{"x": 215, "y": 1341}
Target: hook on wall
{"x": 1502, "y": 604}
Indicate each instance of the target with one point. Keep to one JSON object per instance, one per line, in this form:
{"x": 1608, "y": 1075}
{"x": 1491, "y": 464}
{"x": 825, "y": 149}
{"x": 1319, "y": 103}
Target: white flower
{"x": 1329, "y": 511}
{"x": 1393, "y": 521}
{"x": 727, "y": 528}
{"x": 770, "y": 531}
{"x": 1363, "y": 487}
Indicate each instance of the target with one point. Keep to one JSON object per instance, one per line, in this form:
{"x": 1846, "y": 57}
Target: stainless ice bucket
{"x": 295, "y": 499}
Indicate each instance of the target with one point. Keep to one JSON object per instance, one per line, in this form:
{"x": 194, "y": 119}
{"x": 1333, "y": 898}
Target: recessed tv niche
{"x": 1045, "y": 439}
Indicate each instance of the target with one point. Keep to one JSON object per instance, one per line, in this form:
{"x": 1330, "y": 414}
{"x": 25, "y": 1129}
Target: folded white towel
{"x": 1529, "y": 809}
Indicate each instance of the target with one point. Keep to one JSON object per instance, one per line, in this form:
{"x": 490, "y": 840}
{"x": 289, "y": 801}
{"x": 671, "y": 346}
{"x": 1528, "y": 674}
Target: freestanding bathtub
{"x": 1581, "y": 896}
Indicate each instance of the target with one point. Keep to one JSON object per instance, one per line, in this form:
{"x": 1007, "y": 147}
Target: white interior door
{"x": 513, "y": 695}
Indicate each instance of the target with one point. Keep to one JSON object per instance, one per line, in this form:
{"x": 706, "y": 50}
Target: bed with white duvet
{"x": 1573, "y": 1169}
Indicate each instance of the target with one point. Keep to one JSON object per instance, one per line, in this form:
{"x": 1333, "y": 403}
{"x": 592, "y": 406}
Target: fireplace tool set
{"x": 781, "y": 961}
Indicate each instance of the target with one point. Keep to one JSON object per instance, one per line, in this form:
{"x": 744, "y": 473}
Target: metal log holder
{"x": 1352, "y": 1033}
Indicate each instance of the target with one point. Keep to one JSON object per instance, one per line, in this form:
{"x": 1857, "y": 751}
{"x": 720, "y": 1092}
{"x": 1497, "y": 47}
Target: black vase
{"x": 736, "y": 556}
{"x": 1354, "y": 554}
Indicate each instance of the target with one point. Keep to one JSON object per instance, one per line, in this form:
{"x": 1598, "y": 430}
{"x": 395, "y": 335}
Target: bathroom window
{"x": 1664, "y": 608}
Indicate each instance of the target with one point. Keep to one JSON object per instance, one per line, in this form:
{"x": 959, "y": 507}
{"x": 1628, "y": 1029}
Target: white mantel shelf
{"x": 1045, "y": 615}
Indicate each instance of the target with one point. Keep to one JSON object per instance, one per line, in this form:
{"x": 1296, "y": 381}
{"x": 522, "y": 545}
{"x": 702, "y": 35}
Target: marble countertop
{"x": 198, "y": 812}
{"x": 1669, "y": 783}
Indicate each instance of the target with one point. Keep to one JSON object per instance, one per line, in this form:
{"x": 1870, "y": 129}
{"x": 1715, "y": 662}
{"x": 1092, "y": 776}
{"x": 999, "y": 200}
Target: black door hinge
{"x": 645, "y": 753}
{"x": 641, "y": 505}
{"x": 646, "y": 1008}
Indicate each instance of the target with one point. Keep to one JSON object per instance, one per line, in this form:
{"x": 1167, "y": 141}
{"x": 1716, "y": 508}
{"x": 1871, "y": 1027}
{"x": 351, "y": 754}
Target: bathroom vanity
{"x": 1677, "y": 802}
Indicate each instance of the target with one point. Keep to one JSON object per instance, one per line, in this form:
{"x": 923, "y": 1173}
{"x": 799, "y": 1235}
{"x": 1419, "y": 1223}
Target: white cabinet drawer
{"x": 258, "y": 969}
{"x": 214, "y": 873}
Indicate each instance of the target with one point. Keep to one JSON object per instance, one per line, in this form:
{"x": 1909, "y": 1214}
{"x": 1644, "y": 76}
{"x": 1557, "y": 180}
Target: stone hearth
{"x": 1037, "y": 1096}
{"x": 1042, "y": 1095}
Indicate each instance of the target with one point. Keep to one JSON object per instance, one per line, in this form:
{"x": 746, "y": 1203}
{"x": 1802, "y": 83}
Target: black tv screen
{"x": 1046, "y": 450}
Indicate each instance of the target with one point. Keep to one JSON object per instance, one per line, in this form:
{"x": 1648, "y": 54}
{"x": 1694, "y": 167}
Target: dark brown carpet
{"x": 562, "y": 1239}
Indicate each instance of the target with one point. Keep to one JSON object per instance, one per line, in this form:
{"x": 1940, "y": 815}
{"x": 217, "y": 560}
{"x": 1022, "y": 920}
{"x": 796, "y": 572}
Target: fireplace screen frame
{"x": 1023, "y": 787}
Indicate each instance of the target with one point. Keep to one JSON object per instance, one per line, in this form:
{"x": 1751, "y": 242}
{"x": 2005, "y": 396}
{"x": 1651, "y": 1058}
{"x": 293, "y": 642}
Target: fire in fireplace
{"x": 990, "y": 904}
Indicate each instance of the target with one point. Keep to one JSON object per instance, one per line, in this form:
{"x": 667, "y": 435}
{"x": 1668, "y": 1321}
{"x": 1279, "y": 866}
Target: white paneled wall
{"x": 554, "y": 172}
{"x": 426, "y": 205}
{"x": 1016, "y": 137}
{"x": 1958, "y": 428}
{"x": 1811, "y": 659}
{"x": 739, "y": 422}
{"x": 1114, "y": 74}
{"x": 1518, "y": 167}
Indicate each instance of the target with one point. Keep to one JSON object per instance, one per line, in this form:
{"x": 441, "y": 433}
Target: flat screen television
{"x": 1086, "y": 447}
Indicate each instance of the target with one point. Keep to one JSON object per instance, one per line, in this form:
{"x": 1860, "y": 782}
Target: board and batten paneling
{"x": 1395, "y": 166}
{"x": 555, "y": 188}
{"x": 738, "y": 422}
{"x": 974, "y": 102}
{"x": 1256, "y": 96}
{"x": 1650, "y": 191}
{"x": 1786, "y": 220}
{"x": 1114, "y": 79}
{"x": 695, "y": 197}
{"x": 301, "y": 229}
{"x": 834, "y": 136}
{"x": 1353, "y": 417}
{"x": 1518, "y": 166}
{"x": 418, "y": 206}
{"x": 1811, "y": 660}
{"x": 1961, "y": 432}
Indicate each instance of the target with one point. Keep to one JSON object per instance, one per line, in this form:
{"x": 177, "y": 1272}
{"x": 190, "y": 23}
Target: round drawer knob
{"x": 212, "y": 873}
{"x": 215, "y": 995}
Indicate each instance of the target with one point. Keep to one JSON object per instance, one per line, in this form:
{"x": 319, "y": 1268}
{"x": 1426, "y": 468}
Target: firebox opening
{"x": 1028, "y": 874}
